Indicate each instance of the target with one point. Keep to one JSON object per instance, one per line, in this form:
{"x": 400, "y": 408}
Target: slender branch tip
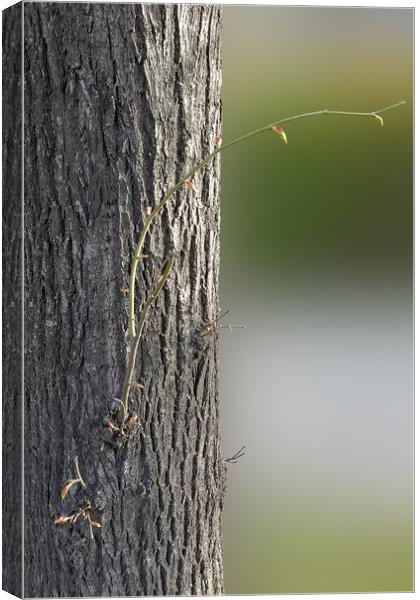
{"x": 135, "y": 331}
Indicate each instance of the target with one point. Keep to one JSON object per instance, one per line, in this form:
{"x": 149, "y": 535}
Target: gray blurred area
{"x": 317, "y": 263}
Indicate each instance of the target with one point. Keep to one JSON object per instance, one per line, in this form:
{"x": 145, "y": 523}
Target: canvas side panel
{"x": 12, "y": 300}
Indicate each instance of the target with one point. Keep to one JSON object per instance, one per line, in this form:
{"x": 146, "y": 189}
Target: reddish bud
{"x": 280, "y": 132}
{"x": 148, "y": 210}
{"x": 218, "y": 140}
{"x": 61, "y": 520}
{"x": 190, "y": 185}
{"x": 96, "y": 524}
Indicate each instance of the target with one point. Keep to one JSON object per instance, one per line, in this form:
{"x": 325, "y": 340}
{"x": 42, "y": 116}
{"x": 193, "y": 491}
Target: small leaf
{"x": 379, "y": 119}
{"x": 96, "y": 524}
{"x": 67, "y": 487}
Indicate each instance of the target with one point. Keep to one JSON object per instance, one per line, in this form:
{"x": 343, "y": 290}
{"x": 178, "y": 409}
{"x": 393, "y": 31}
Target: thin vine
{"x": 187, "y": 180}
{"x": 126, "y": 422}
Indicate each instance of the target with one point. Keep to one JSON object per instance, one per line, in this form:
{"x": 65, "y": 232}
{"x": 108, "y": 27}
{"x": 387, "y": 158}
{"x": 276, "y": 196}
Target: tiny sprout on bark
{"x": 67, "y": 487}
{"x": 218, "y": 141}
{"x": 71, "y": 482}
{"x": 110, "y": 425}
{"x": 118, "y": 421}
{"x": 122, "y": 429}
{"x": 85, "y": 514}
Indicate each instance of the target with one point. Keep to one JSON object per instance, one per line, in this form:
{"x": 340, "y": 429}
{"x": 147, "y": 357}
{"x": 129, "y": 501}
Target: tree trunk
{"x": 120, "y": 101}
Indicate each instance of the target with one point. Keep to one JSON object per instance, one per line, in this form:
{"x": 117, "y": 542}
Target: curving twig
{"x": 138, "y": 256}
{"x": 238, "y": 454}
{"x": 151, "y": 214}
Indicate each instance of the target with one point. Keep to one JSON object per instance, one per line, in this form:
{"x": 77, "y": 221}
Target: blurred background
{"x": 317, "y": 263}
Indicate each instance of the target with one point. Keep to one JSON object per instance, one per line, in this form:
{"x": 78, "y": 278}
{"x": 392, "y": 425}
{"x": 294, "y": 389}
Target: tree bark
{"x": 12, "y": 300}
{"x": 120, "y": 101}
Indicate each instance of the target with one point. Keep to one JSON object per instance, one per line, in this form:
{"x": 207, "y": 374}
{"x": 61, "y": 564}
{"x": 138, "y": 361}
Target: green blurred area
{"x": 335, "y": 203}
{"x": 320, "y": 552}
{"x": 339, "y": 195}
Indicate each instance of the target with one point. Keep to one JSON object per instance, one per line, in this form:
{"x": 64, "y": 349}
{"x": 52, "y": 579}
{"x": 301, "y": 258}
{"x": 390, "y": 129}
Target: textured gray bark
{"x": 120, "y": 101}
{"x": 12, "y": 304}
